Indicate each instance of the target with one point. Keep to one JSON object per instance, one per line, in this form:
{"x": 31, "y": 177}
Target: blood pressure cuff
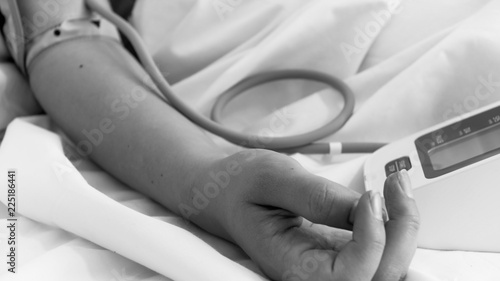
{"x": 34, "y": 25}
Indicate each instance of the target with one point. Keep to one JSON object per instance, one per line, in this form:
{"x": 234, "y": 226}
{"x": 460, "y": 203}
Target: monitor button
{"x": 391, "y": 168}
{"x": 403, "y": 163}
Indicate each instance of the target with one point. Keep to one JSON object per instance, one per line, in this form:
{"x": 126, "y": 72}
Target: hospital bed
{"x": 411, "y": 65}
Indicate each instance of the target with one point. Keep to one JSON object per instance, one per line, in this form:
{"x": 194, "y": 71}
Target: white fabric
{"x": 54, "y": 181}
{"x": 418, "y": 69}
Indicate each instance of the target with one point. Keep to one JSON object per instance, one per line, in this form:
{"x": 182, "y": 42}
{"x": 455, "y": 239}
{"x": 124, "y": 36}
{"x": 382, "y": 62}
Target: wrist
{"x": 180, "y": 190}
{"x": 213, "y": 194}
{"x": 222, "y": 189}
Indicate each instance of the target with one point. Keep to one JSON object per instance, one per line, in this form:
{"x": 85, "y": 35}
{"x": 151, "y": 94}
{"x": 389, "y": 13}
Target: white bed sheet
{"x": 416, "y": 70}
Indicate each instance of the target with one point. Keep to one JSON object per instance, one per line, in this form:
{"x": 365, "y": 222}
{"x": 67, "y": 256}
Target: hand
{"x": 296, "y": 226}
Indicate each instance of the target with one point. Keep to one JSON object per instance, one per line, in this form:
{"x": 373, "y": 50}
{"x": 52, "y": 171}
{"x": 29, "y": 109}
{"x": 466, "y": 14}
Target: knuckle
{"x": 320, "y": 202}
{"x": 378, "y": 244}
{"x": 264, "y": 170}
{"x": 270, "y": 167}
{"x": 413, "y": 224}
{"x": 375, "y": 246}
{"x": 267, "y": 161}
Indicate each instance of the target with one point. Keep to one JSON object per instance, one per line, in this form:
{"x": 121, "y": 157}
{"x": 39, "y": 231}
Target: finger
{"x": 312, "y": 197}
{"x": 315, "y": 260}
{"x": 313, "y": 264}
{"x": 285, "y": 248}
{"x": 361, "y": 257}
{"x": 401, "y": 229}
{"x": 315, "y": 248}
{"x": 334, "y": 238}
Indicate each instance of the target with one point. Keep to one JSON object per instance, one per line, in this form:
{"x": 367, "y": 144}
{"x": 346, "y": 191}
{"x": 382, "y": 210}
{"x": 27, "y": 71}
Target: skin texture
{"x": 294, "y": 225}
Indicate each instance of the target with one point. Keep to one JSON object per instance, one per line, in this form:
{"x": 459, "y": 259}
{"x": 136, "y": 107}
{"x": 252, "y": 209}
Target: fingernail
{"x": 353, "y": 211}
{"x": 376, "y": 202}
{"x": 385, "y": 214}
{"x": 405, "y": 183}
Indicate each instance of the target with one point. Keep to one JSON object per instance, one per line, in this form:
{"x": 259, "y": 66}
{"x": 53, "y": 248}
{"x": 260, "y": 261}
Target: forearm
{"x": 93, "y": 88}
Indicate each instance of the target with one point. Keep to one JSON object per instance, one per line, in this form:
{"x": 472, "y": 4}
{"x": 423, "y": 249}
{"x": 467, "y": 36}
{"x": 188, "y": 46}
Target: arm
{"x": 96, "y": 92}
{"x": 280, "y": 214}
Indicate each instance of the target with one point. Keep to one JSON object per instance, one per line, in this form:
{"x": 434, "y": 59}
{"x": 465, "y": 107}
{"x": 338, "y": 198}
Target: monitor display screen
{"x": 465, "y": 148}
